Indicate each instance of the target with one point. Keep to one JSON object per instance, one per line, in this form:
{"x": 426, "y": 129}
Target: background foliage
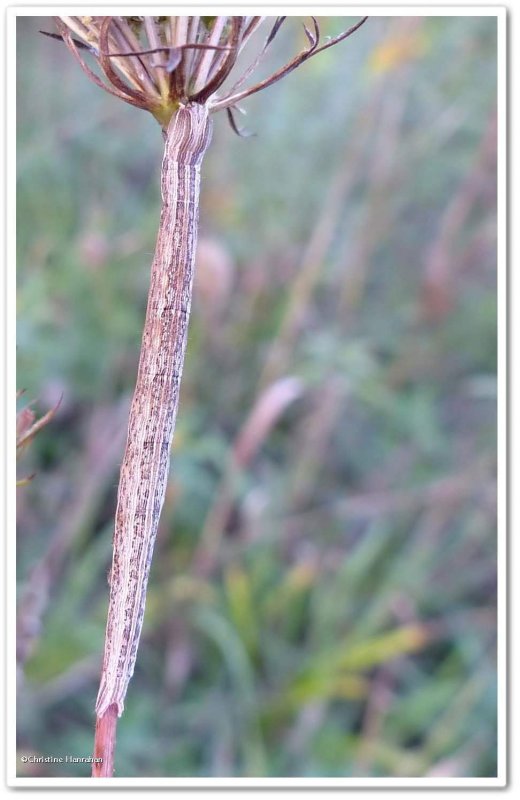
{"x": 322, "y": 601}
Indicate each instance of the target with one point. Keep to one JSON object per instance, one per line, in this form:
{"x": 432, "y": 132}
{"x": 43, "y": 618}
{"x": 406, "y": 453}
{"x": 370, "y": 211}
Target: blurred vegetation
{"x": 322, "y": 600}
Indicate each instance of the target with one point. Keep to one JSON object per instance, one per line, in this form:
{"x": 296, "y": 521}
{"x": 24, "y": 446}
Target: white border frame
{"x": 500, "y": 12}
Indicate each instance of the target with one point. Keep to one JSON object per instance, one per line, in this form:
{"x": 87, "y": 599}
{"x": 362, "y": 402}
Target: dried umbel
{"x": 173, "y": 67}
{"x": 159, "y": 63}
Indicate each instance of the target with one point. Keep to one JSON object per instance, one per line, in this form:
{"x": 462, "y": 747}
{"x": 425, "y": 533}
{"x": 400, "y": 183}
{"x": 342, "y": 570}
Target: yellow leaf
{"x": 327, "y": 686}
{"x": 383, "y": 648}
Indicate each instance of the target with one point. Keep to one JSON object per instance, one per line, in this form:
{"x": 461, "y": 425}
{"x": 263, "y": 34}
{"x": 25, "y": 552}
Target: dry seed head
{"x": 159, "y": 63}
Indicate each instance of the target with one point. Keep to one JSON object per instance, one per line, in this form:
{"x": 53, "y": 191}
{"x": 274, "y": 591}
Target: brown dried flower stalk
{"x": 175, "y": 68}
{"x": 27, "y": 426}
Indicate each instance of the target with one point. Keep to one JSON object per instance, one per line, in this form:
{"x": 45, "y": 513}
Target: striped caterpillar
{"x": 144, "y": 471}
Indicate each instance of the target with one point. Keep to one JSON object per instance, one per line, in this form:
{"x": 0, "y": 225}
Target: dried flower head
{"x": 159, "y": 63}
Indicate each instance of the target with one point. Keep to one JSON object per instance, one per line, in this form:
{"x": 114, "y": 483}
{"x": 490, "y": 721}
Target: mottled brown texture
{"x": 144, "y": 470}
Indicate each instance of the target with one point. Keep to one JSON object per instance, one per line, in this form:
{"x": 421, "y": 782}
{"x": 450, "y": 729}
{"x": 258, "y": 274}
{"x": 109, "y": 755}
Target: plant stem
{"x": 144, "y": 470}
{"x": 105, "y": 743}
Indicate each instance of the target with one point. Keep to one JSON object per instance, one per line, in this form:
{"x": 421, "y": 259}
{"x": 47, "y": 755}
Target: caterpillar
{"x": 144, "y": 470}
